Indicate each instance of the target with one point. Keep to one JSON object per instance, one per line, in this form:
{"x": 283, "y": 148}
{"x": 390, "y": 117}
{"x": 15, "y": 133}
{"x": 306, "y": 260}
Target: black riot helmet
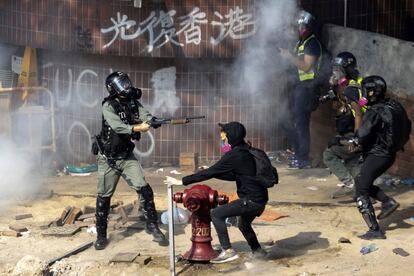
{"x": 348, "y": 62}
{"x": 373, "y": 89}
{"x": 305, "y": 23}
{"x": 119, "y": 84}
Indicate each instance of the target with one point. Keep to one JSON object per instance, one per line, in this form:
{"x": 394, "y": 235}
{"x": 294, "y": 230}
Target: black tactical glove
{"x": 154, "y": 124}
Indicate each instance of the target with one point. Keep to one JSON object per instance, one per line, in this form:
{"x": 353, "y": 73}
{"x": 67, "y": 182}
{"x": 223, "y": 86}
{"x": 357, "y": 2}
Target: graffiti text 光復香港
{"x": 235, "y": 24}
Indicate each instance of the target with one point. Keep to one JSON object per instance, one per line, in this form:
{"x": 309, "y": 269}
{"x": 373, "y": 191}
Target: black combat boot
{"x": 387, "y": 208}
{"x": 150, "y": 214}
{"x": 367, "y": 210}
{"x": 102, "y": 210}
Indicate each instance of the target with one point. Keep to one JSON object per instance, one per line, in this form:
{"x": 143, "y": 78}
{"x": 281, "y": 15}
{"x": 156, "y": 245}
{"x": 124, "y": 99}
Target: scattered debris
{"x": 64, "y": 231}
{"x": 23, "y": 216}
{"x": 10, "y": 233}
{"x": 88, "y": 210}
{"x": 73, "y": 215}
{"x": 270, "y": 215}
{"x": 204, "y": 167}
{"x": 249, "y": 265}
{"x": 160, "y": 170}
{"x": 368, "y": 249}
{"x": 86, "y": 216}
{"x": 91, "y": 229}
{"x": 30, "y": 265}
{"x": 124, "y": 257}
{"x": 18, "y": 228}
{"x": 313, "y": 188}
{"x": 321, "y": 179}
{"x": 71, "y": 252}
{"x": 344, "y": 240}
{"x": 407, "y": 181}
{"x": 175, "y": 172}
{"x": 401, "y": 252}
{"x": 143, "y": 260}
{"x": 188, "y": 161}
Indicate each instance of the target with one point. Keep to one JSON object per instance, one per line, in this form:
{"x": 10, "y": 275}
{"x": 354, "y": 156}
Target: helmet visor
{"x": 338, "y": 61}
{"x": 122, "y": 84}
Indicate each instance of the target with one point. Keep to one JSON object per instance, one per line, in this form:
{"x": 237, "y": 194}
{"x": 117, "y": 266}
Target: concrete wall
{"x": 377, "y": 54}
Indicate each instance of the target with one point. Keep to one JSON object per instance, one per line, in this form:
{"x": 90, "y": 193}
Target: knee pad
{"x": 364, "y": 204}
{"x": 147, "y": 192}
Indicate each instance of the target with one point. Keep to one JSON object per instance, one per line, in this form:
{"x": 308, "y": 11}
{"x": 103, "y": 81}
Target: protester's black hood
{"x": 235, "y": 131}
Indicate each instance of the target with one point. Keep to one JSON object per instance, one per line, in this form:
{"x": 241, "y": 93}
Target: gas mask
{"x": 225, "y": 147}
{"x": 338, "y": 77}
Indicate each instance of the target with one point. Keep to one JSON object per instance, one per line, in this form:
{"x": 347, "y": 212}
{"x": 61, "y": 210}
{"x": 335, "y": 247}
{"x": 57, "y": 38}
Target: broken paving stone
{"x": 121, "y": 211}
{"x": 64, "y": 231}
{"x": 56, "y": 223}
{"x": 344, "y": 240}
{"x": 401, "y": 252}
{"x": 73, "y": 215}
{"x": 116, "y": 204}
{"x": 65, "y": 214}
{"x": 18, "y": 228}
{"x": 90, "y": 220}
{"x": 10, "y": 233}
{"x": 124, "y": 257}
{"x": 143, "y": 260}
{"x": 86, "y": 216}
{"x": 88, "y": 210}
{"x": 115, "y": 217}
{"x": 82, "y": 224}
{"x": 23, "y": 216}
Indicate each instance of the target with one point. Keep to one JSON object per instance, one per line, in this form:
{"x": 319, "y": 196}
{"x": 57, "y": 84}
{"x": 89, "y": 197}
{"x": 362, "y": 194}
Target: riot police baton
{"x": 171, "y": 230}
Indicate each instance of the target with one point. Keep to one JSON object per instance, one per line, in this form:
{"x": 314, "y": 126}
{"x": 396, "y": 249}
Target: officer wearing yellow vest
{"x": 307, "y": 59}
{"x": 343, "y": 161}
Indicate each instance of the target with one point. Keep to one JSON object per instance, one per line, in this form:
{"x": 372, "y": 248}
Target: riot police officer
{"x": 384, "y": 131}
{"x": 123, "y": 118}
{"x": 343, "y": 161}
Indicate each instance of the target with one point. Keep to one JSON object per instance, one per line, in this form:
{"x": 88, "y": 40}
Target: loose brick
{"x": 10, "y": 233}
{"x": 115, "y": 217}
{"x": 74, "y": 214}
{"x": 143, "y": 260}
{"x": 18, "y": 228}
{"x": 92, "y": 219}
{"x": 121, "y": 211}
{"x": 86, "y": 216}
{"x": 23, "y": 216}
{"x": 88, "y": 209}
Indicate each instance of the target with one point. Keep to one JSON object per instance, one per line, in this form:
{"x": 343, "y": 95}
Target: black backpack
{"x": 266, "y": 174}
{"x": 398, "y": 125}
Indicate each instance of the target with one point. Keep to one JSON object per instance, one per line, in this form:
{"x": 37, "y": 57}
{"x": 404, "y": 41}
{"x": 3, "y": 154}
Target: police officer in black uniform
{"x": 384, "y": 131}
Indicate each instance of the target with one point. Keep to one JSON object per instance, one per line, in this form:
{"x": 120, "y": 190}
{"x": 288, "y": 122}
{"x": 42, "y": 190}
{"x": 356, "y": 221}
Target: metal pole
{"x": 171, "y": 230}
{"x": 345, "y": 12}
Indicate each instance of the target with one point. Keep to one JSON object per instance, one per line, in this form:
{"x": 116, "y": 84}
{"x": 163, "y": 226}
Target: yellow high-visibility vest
{"x": 300, "y": 51}
{"x": 357, "y": 84}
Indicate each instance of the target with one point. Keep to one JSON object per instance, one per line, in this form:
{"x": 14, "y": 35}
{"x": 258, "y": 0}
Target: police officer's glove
{"x": 154, "y": 122}
{"x": 335, "y": 141}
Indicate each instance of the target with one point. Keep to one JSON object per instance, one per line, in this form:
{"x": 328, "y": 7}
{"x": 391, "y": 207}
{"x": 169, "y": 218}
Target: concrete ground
{"x": 305, "y": 243}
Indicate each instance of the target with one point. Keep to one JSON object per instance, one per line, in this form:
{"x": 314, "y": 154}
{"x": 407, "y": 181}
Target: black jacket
{"x": 374, "y": 133}
{"x": 235, "y": 165}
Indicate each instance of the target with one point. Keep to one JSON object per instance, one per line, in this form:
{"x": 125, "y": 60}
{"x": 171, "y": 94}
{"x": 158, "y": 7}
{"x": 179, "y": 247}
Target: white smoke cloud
{"x": 17, "y": 180}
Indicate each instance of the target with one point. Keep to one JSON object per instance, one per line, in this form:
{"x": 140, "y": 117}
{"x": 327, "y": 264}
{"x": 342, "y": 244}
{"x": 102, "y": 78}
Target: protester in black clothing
{"x": 384, "y": 131}
{"x": 238, "y": 165}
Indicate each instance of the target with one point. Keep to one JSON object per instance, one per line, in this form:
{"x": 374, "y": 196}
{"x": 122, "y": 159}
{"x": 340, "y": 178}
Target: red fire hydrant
{"x": 199, "y": 199}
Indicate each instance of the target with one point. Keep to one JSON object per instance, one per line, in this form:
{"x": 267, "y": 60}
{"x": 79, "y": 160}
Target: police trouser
{"x": 342, "y": 163}
{"x": 371, "y": 169}
{"x": 130, "y": 170}
{"x": 305, "y": 101}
